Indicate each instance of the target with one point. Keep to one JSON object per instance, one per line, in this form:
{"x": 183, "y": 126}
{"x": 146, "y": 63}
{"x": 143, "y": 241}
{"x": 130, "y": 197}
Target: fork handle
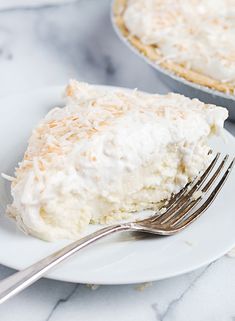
{"x": 22, "y": 279}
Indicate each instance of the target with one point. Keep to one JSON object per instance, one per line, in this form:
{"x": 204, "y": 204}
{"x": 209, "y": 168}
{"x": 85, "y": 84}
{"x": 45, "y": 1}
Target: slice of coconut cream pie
{"x": 106, "y": 154}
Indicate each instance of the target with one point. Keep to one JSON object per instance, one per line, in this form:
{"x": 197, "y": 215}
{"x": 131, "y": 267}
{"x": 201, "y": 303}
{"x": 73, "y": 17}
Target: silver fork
{"x": 174, "y": 216}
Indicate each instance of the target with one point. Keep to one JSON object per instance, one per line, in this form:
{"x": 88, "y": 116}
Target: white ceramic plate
{"x": 119, "y": 259}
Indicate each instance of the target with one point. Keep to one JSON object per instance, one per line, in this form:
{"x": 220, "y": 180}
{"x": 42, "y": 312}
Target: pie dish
{"x": 106, "y": 155}
{"x": 191, "y": 39}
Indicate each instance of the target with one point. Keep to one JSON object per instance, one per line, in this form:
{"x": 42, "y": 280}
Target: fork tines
{"x": 178, "y": 212}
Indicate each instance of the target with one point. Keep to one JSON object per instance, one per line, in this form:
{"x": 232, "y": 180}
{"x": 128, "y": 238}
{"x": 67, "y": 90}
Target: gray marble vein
{"x": 46, "y": 46}
{"x": 175, "y": 301}
{"x": 9, "y": 6}
{"x": 61, "y": 301}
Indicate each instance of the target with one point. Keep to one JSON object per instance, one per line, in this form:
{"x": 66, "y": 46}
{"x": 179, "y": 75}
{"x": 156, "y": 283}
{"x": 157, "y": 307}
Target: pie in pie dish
{"x": 106, "y": 154}
{"x": 193, "y": 39}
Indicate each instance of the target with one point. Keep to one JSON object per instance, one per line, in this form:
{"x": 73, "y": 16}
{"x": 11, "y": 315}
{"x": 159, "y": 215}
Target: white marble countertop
{"x": 46, "y": 45}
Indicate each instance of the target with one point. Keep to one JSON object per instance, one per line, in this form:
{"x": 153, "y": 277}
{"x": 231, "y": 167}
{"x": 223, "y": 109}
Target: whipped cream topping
{"x": 107, "y": 153}
{"x": 198, "y": 34}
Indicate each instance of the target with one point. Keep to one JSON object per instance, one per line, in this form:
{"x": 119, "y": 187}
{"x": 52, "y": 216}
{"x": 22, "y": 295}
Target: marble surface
{"x": 46, "y": 45}
{"x": 16, "y": 4}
